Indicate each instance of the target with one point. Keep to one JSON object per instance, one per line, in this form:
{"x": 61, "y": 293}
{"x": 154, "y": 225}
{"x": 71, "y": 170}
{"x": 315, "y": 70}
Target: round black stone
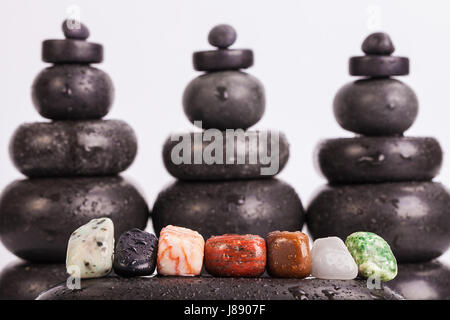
{"x": 378, "y": 66}
{"x": 240, "y": 206}
{"x": 222, "y": 36}
{"x": 73, "y": 29}
{"x": 25, "y": 281}
{"x": 223, "y": 59}
{"x": 379, "y": 159}
{"x": 72, "y": 92}
{"x": 378, "y": 43}
{"x": 246, "y": 148}
{"x": 411, "y": 216}
{"x": 224, "y": 100}
{"x": 376, "y": 107}
{"x": 37, "y": 216}
{"x": 209, "y": 288}
{"x": 73, "y": 148}
{"x": 71, "y": 51}
{"x": 135, "y": 253}
{"x": 423, "y": 281}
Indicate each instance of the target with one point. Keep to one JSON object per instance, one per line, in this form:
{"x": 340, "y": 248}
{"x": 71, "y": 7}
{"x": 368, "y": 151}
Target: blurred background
{"x": 301, "y": 56}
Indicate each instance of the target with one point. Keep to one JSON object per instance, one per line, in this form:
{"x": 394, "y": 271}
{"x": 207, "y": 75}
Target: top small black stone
{"x": 378, "y": 43}
{"x": 222, "y": 36}
{"x": 73, "y": 29}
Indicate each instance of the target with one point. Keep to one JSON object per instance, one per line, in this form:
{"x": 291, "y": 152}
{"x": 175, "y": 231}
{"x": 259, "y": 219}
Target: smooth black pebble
{"x": 378, "y": 43}
{"x": 222, "y": 36}
{"x": 73, "y": 29}
{"x": 135, "y": 253}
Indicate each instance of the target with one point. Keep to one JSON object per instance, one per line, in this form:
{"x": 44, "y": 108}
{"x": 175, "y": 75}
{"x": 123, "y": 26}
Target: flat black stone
{"x": 222, "y": 59}
{"x": 72, "y": 92}
{"x": 376, "y": 107}
{"x": 37, "y": 216}
{"x": 208, "y": 288}
{"x": 423, "y": 281}
{"x": 22, "y": 280}
{"x": 240, "y": 206}
{"x": 71, "y": 51}
{"x": 413, "y": 217}
{"x": 224, "y": 100}
{"x": 135, "y": 253}
{"x": 73, "y": 148}
{"x": 243, "y": 148}
{"x": 378, "y": 66}
{"x": 378, "y": 159}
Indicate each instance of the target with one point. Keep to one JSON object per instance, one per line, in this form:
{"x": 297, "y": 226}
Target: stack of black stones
{"x": 380, "y": 180}
{"x": 215, "y": 198}
{"x": 72, "y": 163}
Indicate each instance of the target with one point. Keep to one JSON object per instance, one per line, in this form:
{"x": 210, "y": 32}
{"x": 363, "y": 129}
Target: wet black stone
{"x": 71, "y": 51}
{"x": 37, "y": 216}
{"x": 378, "y": 43}
{"x": 224, "y": 100}
{"x": 378, "y": 66}
{"x": 240, "y": 206}
{"x": 73, "y": 148}
{"x": 222, "y": 171}
{"x": 135, "y": 253}
{"x": 208, "y": 288}
{"x": 72, "y": 92}
{"x": 378, "y": 159}
{"x": 223, "y": 59}
{"x": 222, "y": 36}
{"x": 413, "y": 217}
{"x": 21, "y": 280}
{"x": 73, "y": 29}
{"x": 376, "y": 106}
{"x": 423, "y": 281}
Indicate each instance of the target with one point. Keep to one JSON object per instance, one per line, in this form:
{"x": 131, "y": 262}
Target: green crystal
{"x": 373, "y": 255}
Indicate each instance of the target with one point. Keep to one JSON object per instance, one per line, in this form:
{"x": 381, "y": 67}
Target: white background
{"x": 301, "y": 55}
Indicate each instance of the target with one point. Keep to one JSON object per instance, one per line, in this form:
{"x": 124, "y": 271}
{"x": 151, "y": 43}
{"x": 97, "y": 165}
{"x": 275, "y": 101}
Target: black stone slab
{"x": 222, "y": 59}
{"x": 71, "y": 51}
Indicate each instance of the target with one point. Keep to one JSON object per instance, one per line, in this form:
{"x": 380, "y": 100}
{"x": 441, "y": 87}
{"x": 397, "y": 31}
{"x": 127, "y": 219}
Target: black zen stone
{"x": 209, "y": 288}
{"x": 72, "y": 92}
{"x": 246, "y": 147}
{"x": 376, "y": 106}
{"x": 423, "y": 281}
{"x": 223, "y": 59}
{"x": 71, "y": 51}
{"x": 135, "y": 253}
{"x": 378, "y": 66}
{"x": 378, "y": 159}
{"x": 25, "y": 281}
{"x": 73, "y": 148}
{"x": 37, "y": 216}
{"x": 378, "y": 43}
{"x": 222, "y": 36}
{"x": 224, "y": 100}
{"x": 73, "y": 29}
{"x": 240, "y": 206}
{"x": 413, "y": 217}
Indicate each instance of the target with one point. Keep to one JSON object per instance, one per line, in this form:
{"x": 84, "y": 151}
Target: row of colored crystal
{"x": 182, "y": 252}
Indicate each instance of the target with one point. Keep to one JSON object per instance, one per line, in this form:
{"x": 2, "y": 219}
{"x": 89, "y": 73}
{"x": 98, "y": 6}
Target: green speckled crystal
{"x": 373, "y": 255}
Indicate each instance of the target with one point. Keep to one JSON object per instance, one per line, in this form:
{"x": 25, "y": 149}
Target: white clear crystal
{"x": 331, "y": 260}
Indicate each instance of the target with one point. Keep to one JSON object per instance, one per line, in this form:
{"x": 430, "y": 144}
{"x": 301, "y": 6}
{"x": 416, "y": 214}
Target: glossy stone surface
{"x": 423, "y": 281}
{"x": 72, "y": 92}
{"x": 378, "y": 43}
{"x": 411, "y": 216}
{"x": 376, "y": 106}
{"x": 224, "y": 59}
{"x": 71, "y": 51}
{"x": 135, "y": 253}
{"x": 21, "y": 280}
{"x": 331, "y": 260}
{"x": 73, "y": 29}
{"x": 378, "y": 159}
{"x": 246, "y": 147}
{"x": 239, "y": 207}
{"x": 222, "y": 36}
{"x": 38, "y": 216}
{"x": 288, "y": 254}
{"x": 73, "y": 148}
{"x": 209, "y": 288}
{"x": 224, "y": 100}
